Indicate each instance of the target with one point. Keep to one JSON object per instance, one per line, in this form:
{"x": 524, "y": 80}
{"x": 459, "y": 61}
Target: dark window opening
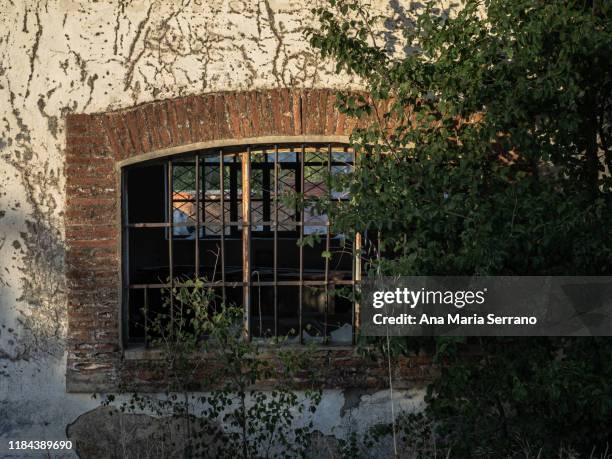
{"x": 222, "y": 216}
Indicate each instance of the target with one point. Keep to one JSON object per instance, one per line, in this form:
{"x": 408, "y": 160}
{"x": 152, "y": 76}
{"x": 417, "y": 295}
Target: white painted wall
{"x": 67, "y": 56}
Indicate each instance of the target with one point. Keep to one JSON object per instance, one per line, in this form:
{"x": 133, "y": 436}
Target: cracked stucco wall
{"x": 62, "y": 56}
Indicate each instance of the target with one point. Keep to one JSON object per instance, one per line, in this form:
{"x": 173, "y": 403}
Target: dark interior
{"x": 148, "y": 243}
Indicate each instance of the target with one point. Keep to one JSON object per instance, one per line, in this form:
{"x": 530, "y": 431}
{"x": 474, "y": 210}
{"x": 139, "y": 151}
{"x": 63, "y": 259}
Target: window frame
{"x": 243, "y": 229}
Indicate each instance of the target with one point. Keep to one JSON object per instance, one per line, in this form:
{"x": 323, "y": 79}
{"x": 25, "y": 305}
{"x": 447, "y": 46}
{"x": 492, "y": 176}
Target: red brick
{"x": 151, "y": 122}
{"x": 93, "y": 242}
{"x": 88, "y": 252}
{"x": 111, "y": 133}
{"x": 242, "y": 104}
{"x": 331, "y": 116}
{"x": 323, "y": 113}
{"x": 267, "y": 115}
{"x": 105, "y": 161}
{"x": 76, "y": 120}
{"x": 89, "y": 180}
{"x": 143, "y": 130}
{"x": 94, "y": 167}
{"x": 131, "y": 124}
{"x": 255, "y": 110}
{"x": 86, "y": 152}
{"x": 220, "y": 116}
{"x": 312, "y": 112}
{"x": 115, "y": 126}
{"x": 162, "y": 126}
{"x": 93, "y": 215}
{"x": 192, "y": 119}
{"x": 91, "y": 232}
{"x": 89, "y": 202}
{"x": 276, "y": 115}
{"x": 235, "y": 121}
{"x": 74, "y": 132}
{"x": 297, "y": 113}
{"x": 198, "y": 130}
{"x": 287, "y": 112}
{"x": 182, "y": 121}
{"x": 172, "y": 122}
{"x": 90, "y": 282}
{"x": 87, "y": 140}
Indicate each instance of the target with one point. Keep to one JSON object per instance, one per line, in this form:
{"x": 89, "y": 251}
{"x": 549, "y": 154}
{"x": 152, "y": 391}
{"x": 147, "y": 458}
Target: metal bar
{"x": 327, "y": 250}
{"x": 313, "y": 283}
{"x": 301, "y": 288}
{"x": 355, "y": 267}
{"x": 149, "y": 225}
{"x": 357, "y": 287}
{"x": 276, "y": 173}
{"x": 266, "y": 189}
{"x": 146, "y": 317}
{"x": 357, "y": 277}
{"x": 170, "y": 238}
{"x": 204, "y": 224}
{"x": 246, "y": 240}
{"x": 354, "y": 290}
{"x": 125, "y": 249}
{"x": 270, "y": 165}
{"x": 234, "y": 196}
{"x": 222, "y": 197}
{"x": 198, "y": 202}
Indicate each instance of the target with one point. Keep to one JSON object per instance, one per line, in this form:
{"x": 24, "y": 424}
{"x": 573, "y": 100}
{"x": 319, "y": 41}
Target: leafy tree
{"x": 485, "y": 149}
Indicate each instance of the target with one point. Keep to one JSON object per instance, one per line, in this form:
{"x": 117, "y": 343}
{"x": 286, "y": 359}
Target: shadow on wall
{"x": 406, "y": 20}
{"x": 40, "y": 319}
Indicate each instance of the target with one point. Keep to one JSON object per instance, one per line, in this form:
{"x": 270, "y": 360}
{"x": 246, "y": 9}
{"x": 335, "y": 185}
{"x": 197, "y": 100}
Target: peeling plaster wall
{"x": 60, "y": 57}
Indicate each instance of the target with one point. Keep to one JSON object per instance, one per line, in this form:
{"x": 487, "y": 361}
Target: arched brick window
{"x": 225, "y": 215}
{"x": 105, "y": 154}
{"x": 102, "y": 149}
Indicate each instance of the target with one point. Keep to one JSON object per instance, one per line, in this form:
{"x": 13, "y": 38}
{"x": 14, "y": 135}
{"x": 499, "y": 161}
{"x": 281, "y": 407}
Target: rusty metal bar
{"x": 234, "y": 223}
{"x": 246, "y": 241}
{"x": 301, "y": 281}
{"x": 170, "y": 237}
{"x": 313, "y": 283}
{"x": 356, "y": 268}
{"x": 204, "y": 224}
{"x": 327, "y": 248}
{"x": 266, "y": 190}
{"x": 275, "y": 250}
{"x": 198, "y": 202}
{"x": 125, "y": 253}
{"x": 222, "y": 203}
{"x": 149, "y": 225}
{"x": 146, "y": 317}
{"x": 357, "y": 287}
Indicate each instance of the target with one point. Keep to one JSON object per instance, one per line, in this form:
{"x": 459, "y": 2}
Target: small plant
{"x": 201, "y": 346}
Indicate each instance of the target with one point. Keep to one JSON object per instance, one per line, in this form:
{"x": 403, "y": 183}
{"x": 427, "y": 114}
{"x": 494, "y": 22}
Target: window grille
{"x": 223, "y": 216}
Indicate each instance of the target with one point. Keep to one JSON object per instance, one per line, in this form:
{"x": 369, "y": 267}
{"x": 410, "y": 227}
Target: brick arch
{"x": 224, "y": 115}
{"x": 98, "y": 144}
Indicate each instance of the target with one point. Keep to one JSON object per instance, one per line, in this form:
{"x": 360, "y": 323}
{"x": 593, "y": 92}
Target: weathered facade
{"x": 86, "y": 86}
